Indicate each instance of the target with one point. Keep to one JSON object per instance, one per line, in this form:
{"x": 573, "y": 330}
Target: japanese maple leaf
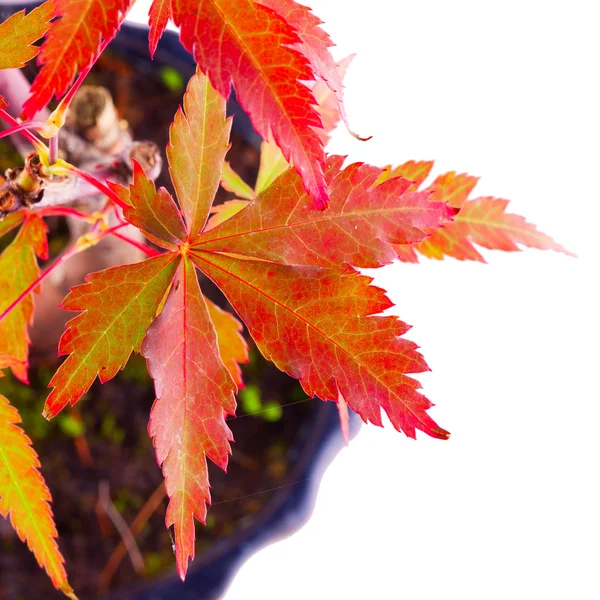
{"x": 71, "y": 45}
{"x": 158, "y": 18}
{"x": 25, "y": 497}
{"x": 320, "y": 326}
{"x": 118, "y": 305}
{"x": 11, "y": 220}
{"x": 272, "y": 161}
{"x": 329, "y": 104}
{"x": 299, "y": 302}
{"x": 20, "y": 31}
{"x": 247, "y": 44}
{"x": 194, "y": 390}
{"x": 358, "y": 228}
{"x": 482, "y": 221}
{"x": 302, "y": 300}
{"x": 17, "y": 35}
{"x": 315, "y": 44}
{"x": 232, "y": 345}
{"x": 18, "y": 271}
{"x": 192, "y": 347}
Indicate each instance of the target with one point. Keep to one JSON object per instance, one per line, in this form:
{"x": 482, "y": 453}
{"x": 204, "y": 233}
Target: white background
{"x": 508, "y": 507}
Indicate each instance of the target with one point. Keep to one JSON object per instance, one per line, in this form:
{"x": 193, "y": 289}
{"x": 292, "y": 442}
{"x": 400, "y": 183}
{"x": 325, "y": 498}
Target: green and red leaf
{"x": 11, "y": 221}
{"x": 232, "y": 345}
{"x": 272, "y": 165}
{"x": 482, "y": 221}
{"x": 198, "y": 142}
{"x": 152, "y": 211}
{"x": 25, "y": 497}
{"x": 19, "y": 32}
{"x": 221, "y": 212}
{"x": 194, "y": 392}
{"x": 118, "y": 305}
{"x": 71, "y": 45}
{"x": 359, "y": 227}
{"x": 247, "y": 44}
{"x": 485, "y": 222}
{"x": 18, "y": 271}
{"x": 233, "y": 183}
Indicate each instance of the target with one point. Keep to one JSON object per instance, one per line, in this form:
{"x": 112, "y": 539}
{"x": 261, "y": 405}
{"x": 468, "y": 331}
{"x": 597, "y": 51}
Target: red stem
{"x": 112, "y": 230}
{"x": 53, "y": 148}
{"x": 98, "y": 185}
{"x": 147, "y": 250}
{"x": 30, "y": 137}
{"x": 62, "y": 211}
{"x": 22, "y": 127}
{"x": 61, "y": 259}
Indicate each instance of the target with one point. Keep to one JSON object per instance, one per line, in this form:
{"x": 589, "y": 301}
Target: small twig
{"x": 137, "y": 525}
{"x": 59, "y": 114}
{"x": 121, "y": 526}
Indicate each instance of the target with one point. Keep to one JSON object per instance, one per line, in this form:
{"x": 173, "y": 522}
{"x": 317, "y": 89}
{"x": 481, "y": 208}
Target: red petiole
{"x": 24, "y": 131}
{"x": 77, "y": 247}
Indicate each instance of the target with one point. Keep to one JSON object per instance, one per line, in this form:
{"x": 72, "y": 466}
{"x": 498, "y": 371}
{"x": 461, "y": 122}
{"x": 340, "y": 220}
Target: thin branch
{"x": 63, "y": 211}
{"x": 115, "y": 516}
{"x": 137, "y": 525}
{"x": 58, "y": 115}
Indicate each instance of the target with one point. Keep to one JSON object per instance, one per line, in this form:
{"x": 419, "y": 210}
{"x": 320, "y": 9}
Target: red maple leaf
{"x": 249, "y": 45}
{"x": 71, "y": 45}
{"x": 17, "y": 35}
{"x": 299, "y": 299}
{"x": 482, "y": 221}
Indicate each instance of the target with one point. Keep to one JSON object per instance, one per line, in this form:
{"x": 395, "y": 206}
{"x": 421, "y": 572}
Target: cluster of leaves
{"x": 285, "y": 254}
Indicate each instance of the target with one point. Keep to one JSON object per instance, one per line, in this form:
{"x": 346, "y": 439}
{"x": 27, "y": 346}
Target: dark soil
{"x": 115, "y": 419}
{"x": 104, "y": 439}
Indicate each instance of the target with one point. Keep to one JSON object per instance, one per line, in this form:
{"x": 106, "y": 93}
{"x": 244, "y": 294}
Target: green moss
{"x": 70, "y": 426}
{"x": 152, "y": 562}
{"x": 250, "y": 399}
{"x": 272, "y": 412}
{"x": 211, "y": 521}
{"x": 172, "y": 79}
{"x": 109, "y": 423}
{"x": 252, "y": 404}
